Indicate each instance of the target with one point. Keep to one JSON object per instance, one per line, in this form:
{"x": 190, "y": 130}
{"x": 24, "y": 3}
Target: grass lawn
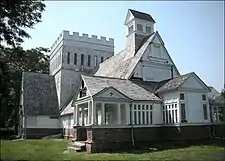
{"x": 53, "y": 150}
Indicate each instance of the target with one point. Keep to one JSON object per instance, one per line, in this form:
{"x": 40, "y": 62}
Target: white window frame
{"x": 170, "y": 113}
{"x": 137, "y": 114}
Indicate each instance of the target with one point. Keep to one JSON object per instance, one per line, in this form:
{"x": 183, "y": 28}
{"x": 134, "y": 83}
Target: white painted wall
{"x": 194, "y": 106}
{"x": 153, "y": 66}
{"x": 192, "y": 83}
{"x": 41, "y": 121}
{"x": 111, "y": 93}
{"x": 67, "y": 121}
{"x": 157, "y": 114}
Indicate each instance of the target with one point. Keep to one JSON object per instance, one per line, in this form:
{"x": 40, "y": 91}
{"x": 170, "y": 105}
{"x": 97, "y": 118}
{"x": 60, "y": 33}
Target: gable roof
{"x": 172, "y": 84}
{"x": 69, "y": 109}
{"x": 219, "y": 100}
{"x": 39, "y": 94}
{"x": 125, "y": 87}
{"x": 142, "y": 15}
{"x": 213, "y": 94}
{"x": 122, "y": 65}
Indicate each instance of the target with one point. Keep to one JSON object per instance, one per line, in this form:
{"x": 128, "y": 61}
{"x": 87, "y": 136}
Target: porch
{"x": 101, "y": 113}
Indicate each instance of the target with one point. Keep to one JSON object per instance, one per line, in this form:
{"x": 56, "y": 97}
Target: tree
{"x": 13, "y": 61}
{"x": 15, "y": 16}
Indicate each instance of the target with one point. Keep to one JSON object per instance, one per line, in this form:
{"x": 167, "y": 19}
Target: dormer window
{"x": 130, "y": 29}
{"x": 148, "y": 29}
{"x": 139, "y": 27}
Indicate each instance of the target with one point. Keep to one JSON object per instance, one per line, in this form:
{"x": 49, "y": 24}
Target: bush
{"x": 7, "y": 133}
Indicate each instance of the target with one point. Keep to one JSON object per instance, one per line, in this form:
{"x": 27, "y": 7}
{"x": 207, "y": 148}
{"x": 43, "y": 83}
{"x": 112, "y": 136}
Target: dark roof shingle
{"x": 141, "y": 15}
{"x": 39, "y": 94}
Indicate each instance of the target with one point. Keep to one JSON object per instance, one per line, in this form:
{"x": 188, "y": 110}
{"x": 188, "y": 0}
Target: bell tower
{"x": 138, "y": 25}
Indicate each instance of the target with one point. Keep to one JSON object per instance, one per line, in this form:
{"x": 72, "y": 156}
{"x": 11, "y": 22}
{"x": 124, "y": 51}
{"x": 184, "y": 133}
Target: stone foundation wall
{"x": 80, "y": 133}
{"x": 112, "y": 139}
{"x": 37, "y": 133}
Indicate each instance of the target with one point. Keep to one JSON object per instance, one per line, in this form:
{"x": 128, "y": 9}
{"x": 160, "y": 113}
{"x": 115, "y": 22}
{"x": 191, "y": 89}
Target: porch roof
{"x": 126, "y": 87}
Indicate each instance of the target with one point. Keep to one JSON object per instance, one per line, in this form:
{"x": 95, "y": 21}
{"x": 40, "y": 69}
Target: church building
{"x": 110, "y": 100}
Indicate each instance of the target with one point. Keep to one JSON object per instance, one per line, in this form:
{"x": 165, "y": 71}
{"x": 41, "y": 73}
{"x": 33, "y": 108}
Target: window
{"x": 183, "y": 112}
{"x": 205, "y": 112}
{"x": 82, "y": 59}
{"x": 204, "y": 97}
{"x": 148, "y": 29}
{"x": 75, "y": 59}
{"x": 89, "y": 60}
{"x": 130, "y": 29}
{"x": 181, "y": 96}
{"x": 102, "y": 59}
{"x": 96, "y": 60}
{"x": 163, "y": 115}
{"x": 139, "y": 27}
{"x": 68, "y": 58}
{"x": 142, "y": 114}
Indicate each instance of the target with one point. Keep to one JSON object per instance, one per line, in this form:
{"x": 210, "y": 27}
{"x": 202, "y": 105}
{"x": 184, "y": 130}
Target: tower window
{"x": 130, "y": 29}
{"x": 68, "y": 58}
{"x": 96, "y": 60}
{"x": 82, "y": 59}
{"x": 89, "y": 60}
{"x": 102, "y": 59}
{"x": 148, "y": 29}
{"x": 139, "y": 27}
{"x": 75, "y": 59}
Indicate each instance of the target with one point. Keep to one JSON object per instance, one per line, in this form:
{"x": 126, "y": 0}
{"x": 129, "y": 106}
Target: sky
{"x": 193, "y": 32}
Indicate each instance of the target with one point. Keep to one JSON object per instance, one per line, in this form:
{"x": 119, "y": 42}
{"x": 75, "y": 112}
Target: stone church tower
{"x": 73, "y": 54}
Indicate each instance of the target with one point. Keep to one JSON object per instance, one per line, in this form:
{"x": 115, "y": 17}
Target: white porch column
{"x": 82, "y": 116}
{"x": 89, "y": 112}
{"x": 132, "y": 113}
{"x": 118, "y": 114}
{"x": 102, "y": 113}
{"x": 127, "y": 113}
{"x": 178, "y": 113}
{"x": 76, "y": 115}
{"x": 141, "y": 115}
{"x": 93, "y": 118}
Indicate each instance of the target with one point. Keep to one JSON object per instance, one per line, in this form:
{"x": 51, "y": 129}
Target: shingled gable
{"x": 119, "y": 66}
{"x": 39, "y": 94}
{"x": 125, "y": 87}
{"x": 142, "y": 16}
{"x": 175, "y": 83}
{"x": 213, "y": 94}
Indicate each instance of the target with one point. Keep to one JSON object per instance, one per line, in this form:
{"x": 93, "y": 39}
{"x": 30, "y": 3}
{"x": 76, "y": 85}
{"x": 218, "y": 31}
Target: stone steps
{"x": 77, "y": 146}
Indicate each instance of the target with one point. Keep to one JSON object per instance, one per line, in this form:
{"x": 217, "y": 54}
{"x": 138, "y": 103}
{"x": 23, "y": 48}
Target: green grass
{"x": 53, "y": 150}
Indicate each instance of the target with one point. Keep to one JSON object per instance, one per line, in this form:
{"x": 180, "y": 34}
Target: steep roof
{"x": 171, "y": 84}
{"x": 69, "y": 109}
{"x": 125, "y": 87}
{"x": 122, "y": 65}
{"x": 213, "y": 94}
{"x": 39, "y": 94}
{"x": 141, "y": 15}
